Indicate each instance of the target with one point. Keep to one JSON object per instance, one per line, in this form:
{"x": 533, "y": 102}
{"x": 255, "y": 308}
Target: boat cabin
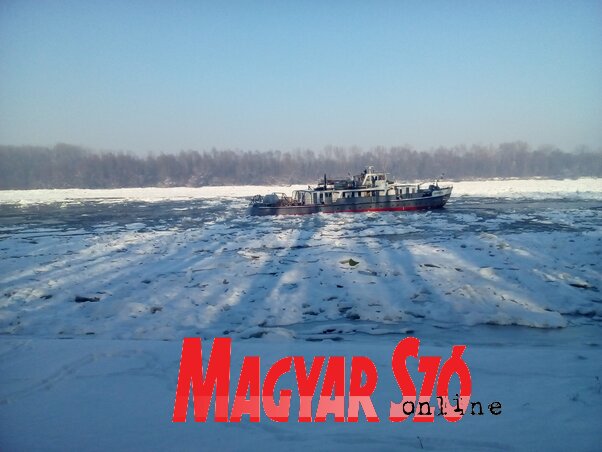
{"x": 368, "y": 184}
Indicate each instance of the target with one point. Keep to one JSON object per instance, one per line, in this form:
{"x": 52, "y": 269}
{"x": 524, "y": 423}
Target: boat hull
{"x": 372, "y": 204}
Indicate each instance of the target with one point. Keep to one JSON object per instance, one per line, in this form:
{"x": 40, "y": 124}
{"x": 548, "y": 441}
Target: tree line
{"x": 67, "y": 166}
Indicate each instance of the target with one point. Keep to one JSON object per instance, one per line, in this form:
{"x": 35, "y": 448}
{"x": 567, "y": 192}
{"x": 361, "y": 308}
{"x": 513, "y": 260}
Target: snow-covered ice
{"x": 584, "y": 187}
{"x": 509, "y": 268}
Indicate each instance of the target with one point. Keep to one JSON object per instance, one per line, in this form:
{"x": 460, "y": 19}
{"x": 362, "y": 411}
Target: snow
{"x": 582, "y": 188}
{"x": 137, "y": 194}
{"x": 93, "y": 310}
{"x": 588, "y": 188}
{"x": 118, "y": 395}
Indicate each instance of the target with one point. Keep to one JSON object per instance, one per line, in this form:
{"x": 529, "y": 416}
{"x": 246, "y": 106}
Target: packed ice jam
{"x": 333, "y": 399}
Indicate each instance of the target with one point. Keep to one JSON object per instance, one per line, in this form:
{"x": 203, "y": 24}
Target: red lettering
{"x": 334, "y": 381}
{"x": 248, "y": 382}
{"x": 455, "y": 365}
{"x": 360, "y": 395}
{"x": 429, "y": 365}
{"x": 278, "y": 413}
{"x": 204, "y": 382}
{"x": 406, "y": 347}
{"x": 191, "y": 374}
{"x": 306, "y": 384}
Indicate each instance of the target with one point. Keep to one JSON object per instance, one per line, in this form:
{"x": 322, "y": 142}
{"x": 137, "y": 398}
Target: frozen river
{"x": 513, "y": 272}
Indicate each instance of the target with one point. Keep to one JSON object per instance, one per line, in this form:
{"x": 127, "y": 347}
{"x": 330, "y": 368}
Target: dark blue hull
{"x": 372, "y": 204}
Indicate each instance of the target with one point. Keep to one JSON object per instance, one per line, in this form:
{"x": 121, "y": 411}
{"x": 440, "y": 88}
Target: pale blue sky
{"x": 166, "y": 76}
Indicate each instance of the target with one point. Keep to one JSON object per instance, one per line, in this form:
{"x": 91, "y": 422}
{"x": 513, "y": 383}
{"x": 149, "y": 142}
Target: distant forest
{"x": 67, "y": 166}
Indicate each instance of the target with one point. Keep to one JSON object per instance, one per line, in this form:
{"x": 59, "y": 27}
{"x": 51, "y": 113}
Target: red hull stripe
{"x": 383, "y": 209}
{"x": 370, "y": 209}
